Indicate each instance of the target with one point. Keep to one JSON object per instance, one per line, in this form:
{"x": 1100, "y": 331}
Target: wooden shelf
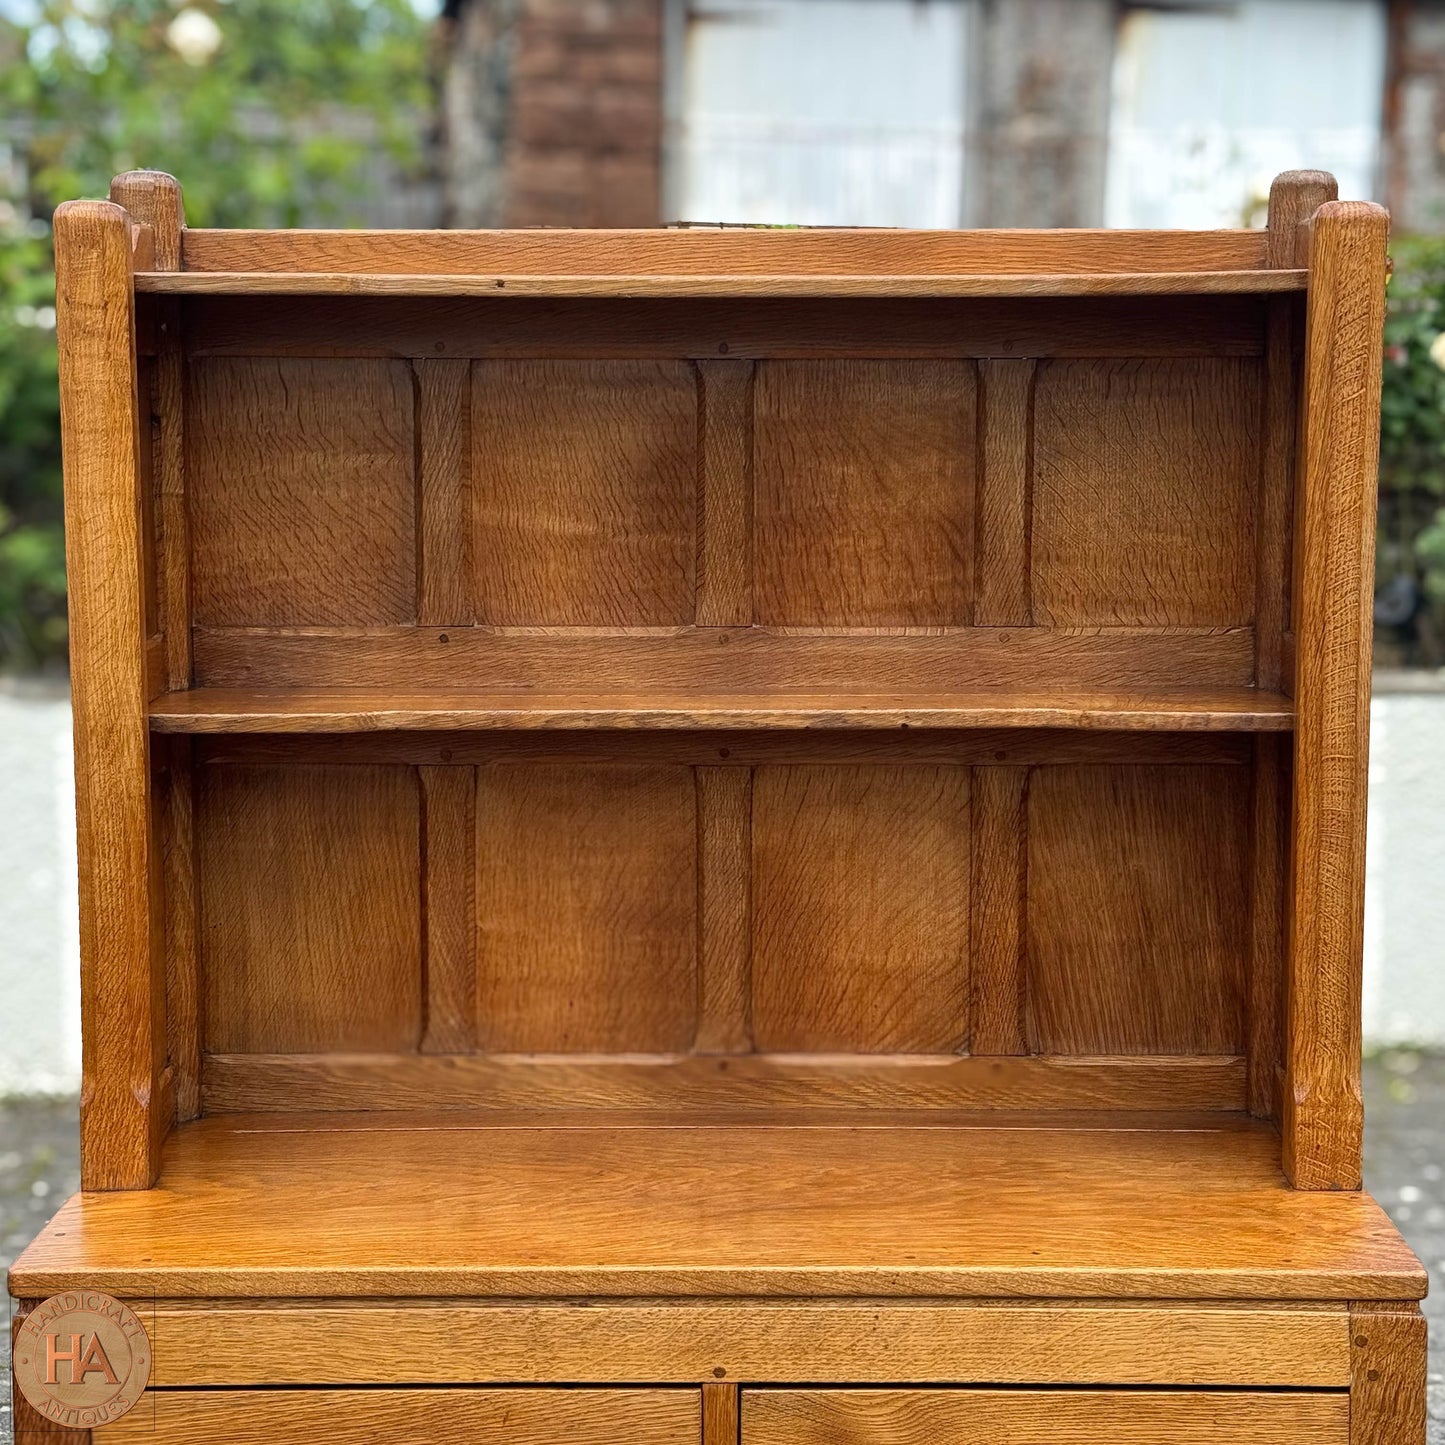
{"x": 577, "y": 1204}
{"x": 350, "y": 283}
{"x": 218, "y": 710}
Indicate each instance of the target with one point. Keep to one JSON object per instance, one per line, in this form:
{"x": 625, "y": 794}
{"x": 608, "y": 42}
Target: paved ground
{"x": 1404, "y": 1168}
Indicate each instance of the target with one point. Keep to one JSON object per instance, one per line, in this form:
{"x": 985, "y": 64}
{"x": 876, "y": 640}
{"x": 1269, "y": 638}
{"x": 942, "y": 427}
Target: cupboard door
{"x": 520, "y": 1416}
{"x": 1043, "y": 1417}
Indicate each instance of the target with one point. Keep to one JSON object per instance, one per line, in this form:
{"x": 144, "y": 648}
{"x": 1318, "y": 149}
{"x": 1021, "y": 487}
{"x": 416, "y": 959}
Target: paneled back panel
{"x": 626, "y": 497}
{"x": 583, "y": 492}
{"x": 310, "y": 908}
{"x": 587, "y": 913}
{"x": 864, "y": 493}
{"x": 856, "y": 946}
{"x": 1144, "y": 476}
{"x": 851, "y": 907}
{"x": 588, "y": 514}
{"x": 301, "y": 489}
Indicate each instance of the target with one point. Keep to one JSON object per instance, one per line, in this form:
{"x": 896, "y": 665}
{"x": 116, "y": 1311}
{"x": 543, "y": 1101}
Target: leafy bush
{"x": 1410, "y": 568}
{"x": 269, "y": 111}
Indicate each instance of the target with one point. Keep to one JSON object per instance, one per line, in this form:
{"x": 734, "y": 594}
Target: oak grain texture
{"x": 864, "y": 493}
{"x": 300, "y": 480}
{"x": 444, "y": 484}
{"x": 1143, "y": 492}
{"x": 998, "y": 911}
{"x": 351, "y": 283}
{"x": 725, "y": 494}
{"x": 860, "y": 945}
{"x": 182, "y": 946}
{"x": 586, "y": 908}
{"x": 1042, "y": 1417}
{"x": 728, "y": 659}
{"x": 359, "y": 1417}
{"x": 1294, "y": 197}
{"x": 309, "y": 901}
{"x": 1388, "y": 1362}
{"x": 1267, "y": 875}
{"x": 724, "y": 910}
{"x": 286, "y": 1083}
{"x": 584, "y": 492}
{"x": 154, "y": 198}
{"x": 705, "y": 251}
{"x": 1323, "y": 1114}
{"x": 449, "y": 908}
{"x": 1002, "y": 591}
{"x": 296, "y": 1206}
{"x": 681, "y": 1342}
{"x": 1274, "y": 521}
{"x": 1137, "y": 910}
{"x": 226, "y": 710}
{"x": 720, "y": 1414}
{"x": 734, "y": 747}
{"x": 122, "y": 975}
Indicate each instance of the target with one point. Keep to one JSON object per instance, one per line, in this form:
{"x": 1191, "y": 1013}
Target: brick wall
{"x": 585, "y": 142}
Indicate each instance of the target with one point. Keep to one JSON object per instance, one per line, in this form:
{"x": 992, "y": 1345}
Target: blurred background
{"x": 481, "y": 113}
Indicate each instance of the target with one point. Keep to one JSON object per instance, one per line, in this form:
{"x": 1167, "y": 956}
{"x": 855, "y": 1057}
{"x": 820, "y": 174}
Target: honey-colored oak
{"x": 704, "y": 818}
{"x": 554, "y": 1207}
{"x": 1042, "y": 1417}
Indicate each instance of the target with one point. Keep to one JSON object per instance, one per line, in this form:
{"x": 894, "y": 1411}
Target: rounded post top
{"x": 154, "y": 199}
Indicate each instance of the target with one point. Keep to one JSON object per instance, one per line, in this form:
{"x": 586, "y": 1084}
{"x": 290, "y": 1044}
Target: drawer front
{"x": 520, "y": 1416}
{"x": 1042, "y": 1417}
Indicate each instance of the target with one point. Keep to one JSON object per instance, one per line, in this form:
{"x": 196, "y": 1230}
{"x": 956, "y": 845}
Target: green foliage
{"x": 1411, "y": 553}
{"x": 32, "y": 555}
{"x": 269, "y": 111}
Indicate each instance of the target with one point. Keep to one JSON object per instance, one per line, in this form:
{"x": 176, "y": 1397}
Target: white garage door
{"x": 818, "y": 112}
{"x": 1212, "y": 100}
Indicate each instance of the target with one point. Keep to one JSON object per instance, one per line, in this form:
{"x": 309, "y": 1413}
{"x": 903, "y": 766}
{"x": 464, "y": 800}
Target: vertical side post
{"x": 1334, "y": 565}
{"x": 155, "y": 199}
{"x": 1387, "y": 1373}
{"x": 121, "y": 990}
{"x": 1294, "y": 196}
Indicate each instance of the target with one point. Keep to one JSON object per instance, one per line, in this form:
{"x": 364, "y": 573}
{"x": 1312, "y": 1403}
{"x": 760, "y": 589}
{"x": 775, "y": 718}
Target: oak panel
{"x": 860, "y": 888}
{"x": 587, "y": 908}
{"x": 676, "y": 1342}
{"x": 584, "y": 492}
{"x": 310, "y": 908}
{"x": 864, "y": 492}
{"x": 1143, "y": 492}
{"x": 728, "y": 659}
{"x": 302, "y": 493}
{"x": 1137, "y": 907}
{"x": 705, "y": 250}
{"x": 1042, "y": 1417}
{"x": 759, "y": 1084}
{"x": 359, "y": 1417}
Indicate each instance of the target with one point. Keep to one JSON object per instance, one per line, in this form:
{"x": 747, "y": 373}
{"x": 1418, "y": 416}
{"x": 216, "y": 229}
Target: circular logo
{"x": 82, "y": 1359}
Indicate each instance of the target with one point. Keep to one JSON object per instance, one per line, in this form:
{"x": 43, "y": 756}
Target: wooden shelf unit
{"x": 674, "y": 824}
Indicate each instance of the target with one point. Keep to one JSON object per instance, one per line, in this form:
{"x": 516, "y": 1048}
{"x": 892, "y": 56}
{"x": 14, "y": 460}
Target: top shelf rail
{"x": 346, "y": 283}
